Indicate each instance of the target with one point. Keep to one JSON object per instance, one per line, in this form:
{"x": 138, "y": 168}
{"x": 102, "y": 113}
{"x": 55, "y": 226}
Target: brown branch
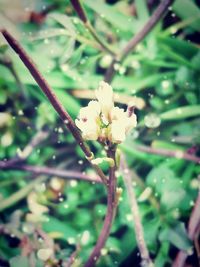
{"x": 49, "y": 171}
{"x": 194, "y": 224}
{"x": 149, "y": 25}
{"x": 79, "y": 10}
{"x": 179, "y": 154}
{"x": 64, "y": 115}
{"x": 139, "y": 233}
{"x": 47, "y": 91}
{"x": 110, "y": 214}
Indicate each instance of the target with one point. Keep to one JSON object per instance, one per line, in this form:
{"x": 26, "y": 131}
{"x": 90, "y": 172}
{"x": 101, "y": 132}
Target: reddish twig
{"x": 149, "y": 25}
{"x": 194, "y": 224}
{"x": 72, "y": 257}
{"x": 52, "y": 98}
{"x": 169, "y": 153}
{"x": 49, "y": 171}
{"x": 79, "y": 10}
{"x": 47, "y": 91}
{"x": 111, "y": 208}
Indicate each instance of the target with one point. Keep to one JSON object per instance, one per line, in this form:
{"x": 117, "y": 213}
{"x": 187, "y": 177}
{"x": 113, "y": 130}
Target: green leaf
{"x": 176, "y": 236}
{"x": 3, "y": 97}
{"x": 56, "y": 226}
{"x": 179, "y": 46}
{"x": 173, "y": 197}
{"x": 69, "y": 102}
{"x": 162, "y": 255}
{"x": 187, "y": 9}
{"x": 65, "y": 21}
{"x": 150, "y": 232}
{"x": 142, "y": 11}
{"x": 181, "y": 113}
{"x": 112, "y": 15}
{"x": 19, "y": 261}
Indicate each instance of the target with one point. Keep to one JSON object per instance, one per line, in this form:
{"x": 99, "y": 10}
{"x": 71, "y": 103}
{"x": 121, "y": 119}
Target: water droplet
{"x": 80, "y": 162}
{"x": 73, "y": 183}
{"x": 60, "y": 130}
{"x": 20, "y": 112}
{"x": 152, "y": 120}
{"x": 61, "y": 199}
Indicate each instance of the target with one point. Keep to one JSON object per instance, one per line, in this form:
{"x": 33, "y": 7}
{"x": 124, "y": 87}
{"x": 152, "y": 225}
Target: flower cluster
{"x": 102, "y": 121}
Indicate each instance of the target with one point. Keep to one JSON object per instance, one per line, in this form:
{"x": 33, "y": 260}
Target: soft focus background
{"x": 39, "y": 212}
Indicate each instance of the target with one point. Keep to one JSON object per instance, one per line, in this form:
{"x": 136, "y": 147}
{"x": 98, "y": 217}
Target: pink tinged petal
{"x": 131, "y": 122}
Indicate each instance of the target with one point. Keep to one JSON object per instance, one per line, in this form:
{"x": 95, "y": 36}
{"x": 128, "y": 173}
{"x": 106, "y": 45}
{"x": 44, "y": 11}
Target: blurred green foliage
{"x": 163, "y": 70}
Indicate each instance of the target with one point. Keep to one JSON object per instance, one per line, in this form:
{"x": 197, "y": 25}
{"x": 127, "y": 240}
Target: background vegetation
{"x": 163, "y": 153}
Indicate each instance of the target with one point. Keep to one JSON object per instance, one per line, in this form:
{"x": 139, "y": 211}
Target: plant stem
{"x": 179, "y": 154}
{"x": 139, "y": 233}
{"x": 47, "y": 91}
{"x": 49, "y": 171}
{"x": 110, "y": 214}
{"x": 64, "y": 115}
{"x": 82, "y": 15}
{"x": 193, "y": 228}
{"x": 149, "y": 25}
{"x": 104, "y": 45}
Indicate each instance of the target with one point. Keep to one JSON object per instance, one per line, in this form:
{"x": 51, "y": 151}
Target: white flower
{"x": 117, "y": 133}
{"x": 88, "y": 121}
{"x": 131, "y": 122}
{"x": 90, "y": 129}
{"x": 100, "y": 120}
{"x": 121, "y": 124}
{"x": 104, "y": 95}
{"x": 91, "y": 111}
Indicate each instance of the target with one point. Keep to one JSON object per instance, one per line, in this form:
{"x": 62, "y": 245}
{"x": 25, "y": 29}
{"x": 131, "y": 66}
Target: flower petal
{"x": 104, "y": 95}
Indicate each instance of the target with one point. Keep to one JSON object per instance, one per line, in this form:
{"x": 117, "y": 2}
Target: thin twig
{"x": 111, "y": 210}
{"x": 179, "y": 154}
{"x": 49, "y": 171}
{"x": 82, "y": 15}
{"x": 194, "y": 224}
{"x": 149, "y": 25}
{"x": 147, "y": 28}
{"x": 64, "y": 115}
{"x": 47, "y": 91}
{"x": 72, "y": 257}
{"x": 139, "y": 233}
